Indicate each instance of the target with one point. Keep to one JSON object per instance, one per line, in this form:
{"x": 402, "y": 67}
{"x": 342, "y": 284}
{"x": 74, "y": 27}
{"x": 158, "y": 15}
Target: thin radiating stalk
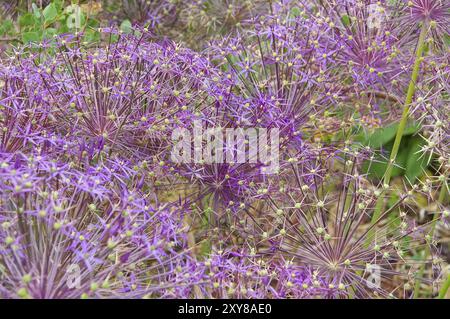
{"x": 426, "y": 253}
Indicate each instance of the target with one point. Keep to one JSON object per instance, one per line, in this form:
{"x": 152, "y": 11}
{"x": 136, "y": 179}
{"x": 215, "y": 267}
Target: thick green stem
{"x": 408, "y": 100}
{"x": 401, "y": 127}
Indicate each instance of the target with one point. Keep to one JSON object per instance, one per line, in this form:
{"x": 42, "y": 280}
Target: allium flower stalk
{"x": 432, "y": 111}
{"x": 424, "y": 29}
{"x": 376, "y": 40}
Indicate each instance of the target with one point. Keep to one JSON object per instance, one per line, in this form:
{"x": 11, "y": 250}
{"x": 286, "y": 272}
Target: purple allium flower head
{"x": 24, "y": 111}
{"x": 436, "y": 13}
{"x": 284, "y": 69}
{"x": 205, "y": 20}
{"x": 125, "y": 96}
{"x": 323, "y": 231}
{"x": 271, "y": 77}
{"x": 369, "y": 38}
{"x": 68, "y": 233}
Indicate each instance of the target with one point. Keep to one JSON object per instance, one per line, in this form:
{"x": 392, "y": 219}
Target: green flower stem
{"x": 401, "y": 127}
{"x": 408, "y": 100}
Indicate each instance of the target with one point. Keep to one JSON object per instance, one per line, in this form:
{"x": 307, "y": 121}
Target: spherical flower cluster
{"x": 323, "y": 231}
{"x": 70, "y": 233}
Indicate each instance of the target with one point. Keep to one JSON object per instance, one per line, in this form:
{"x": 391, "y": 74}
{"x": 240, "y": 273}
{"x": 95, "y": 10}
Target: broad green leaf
{"x": 417, "y": 161}
{"x": 409, "y": 162}
{"x": 6, "y": 27}
{"x": 401, "y": 160}
{"x": 125, "y": 26}
{"x": 447, "y": 39}
{"x": 36, "y": 11}
{"x": 59, "y": 4}
{"x": 411, "y": 128}
{"x": 93, "y": 23}
{"x": 91, "y": 35}
{"x": 63, "y": 29}
{"x": 50, "y": 13}
{"x": 386, "y": 134}
{"x": 382, "y": 136}
{"x": 378, "y": 167}
{"x": 50, "y": 32}
{"x": 205, "y": 248}
{"x": 27, "y": 20}
{"x": 31, "y": 36}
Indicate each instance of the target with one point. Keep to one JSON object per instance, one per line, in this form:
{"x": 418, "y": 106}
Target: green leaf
{"x": 345, "y": 20}
{"x": 63, "y": 29}
{"x": 386, "y": 134}
{"x": 125, "y": 26}
{"x": 50, "y": 32}
{"x": 417, "y": 161}
{"x": 91, "y": 36}
{"x": 382, "y": 136}
{"x": 409, "y": 162}
{"x": 27, "y": 20}
{"x": 50, "y": 13}
{"x": 59, "y": 4}
{"x": 205, "y": 248}
{"x": 36, "y": 11}
{"x": 6, "y": 27}
{"x": 31, "y": 36}
{"x": 93, "y": 23}
{"x": 295, "y": 12}
{"x": 377, "y": 167}
{"x": 447, "y": 39}
{"x": 400, "y": 161}
{"x": 411, "y": 128}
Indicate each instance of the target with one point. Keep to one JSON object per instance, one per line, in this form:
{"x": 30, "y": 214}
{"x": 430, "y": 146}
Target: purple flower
{"x": 63, "y": 237}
